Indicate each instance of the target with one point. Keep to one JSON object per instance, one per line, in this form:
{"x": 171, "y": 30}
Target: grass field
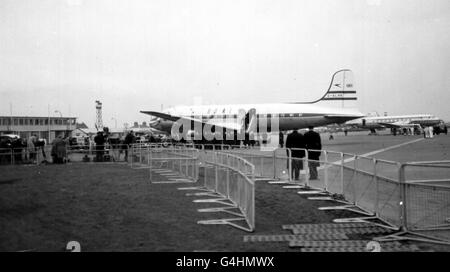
{"x": 110, "y": 207}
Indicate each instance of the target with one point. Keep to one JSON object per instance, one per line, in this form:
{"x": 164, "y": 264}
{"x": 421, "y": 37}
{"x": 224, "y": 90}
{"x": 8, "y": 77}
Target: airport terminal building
{"x": 43, "y": 127}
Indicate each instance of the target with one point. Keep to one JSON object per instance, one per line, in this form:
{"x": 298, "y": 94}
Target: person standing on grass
{"x": 129, "y": 140}
{"x": 31, "y": 148}
{"x": 314, "y": 145}
{"x": 99, "y": 146}
{"x": 58, "y": 150}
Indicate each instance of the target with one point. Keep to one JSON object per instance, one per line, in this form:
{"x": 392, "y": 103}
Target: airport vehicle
{"x": 413, "y": 121}
{"x": 337, "y": 105}
{"x": 9, "y": 136}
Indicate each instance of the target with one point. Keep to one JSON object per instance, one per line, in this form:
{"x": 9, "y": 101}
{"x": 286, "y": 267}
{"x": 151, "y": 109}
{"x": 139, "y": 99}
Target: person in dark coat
{"x": 129, "y": 140}
{"x": 99, "y": 146}
{"x": 58, "y": 150}
{"x": 296, "y": 140}
{"x": 313, "y": 142}
{"x": 281, "y": 139}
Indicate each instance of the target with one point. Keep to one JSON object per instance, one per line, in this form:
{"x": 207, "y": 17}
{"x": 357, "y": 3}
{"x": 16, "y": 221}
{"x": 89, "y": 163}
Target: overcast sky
{"x": 137, "y": 55}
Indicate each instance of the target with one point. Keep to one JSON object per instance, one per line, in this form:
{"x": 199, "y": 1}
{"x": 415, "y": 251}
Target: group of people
{"x": 35, "y": 147}
{"x": 32, "y": 149}
{"x": 297, "y": 143}
{"x": 101, "y": 139}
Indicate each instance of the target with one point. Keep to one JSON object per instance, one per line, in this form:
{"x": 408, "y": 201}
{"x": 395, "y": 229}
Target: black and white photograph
{"x": 210, "y": 127}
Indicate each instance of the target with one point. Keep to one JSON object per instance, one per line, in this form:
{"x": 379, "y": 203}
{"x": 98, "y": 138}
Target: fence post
{"x": 342, "y": 172}
{"x": 262, "y": 166}
{"x": 196, "y": 167}
{"x": 375, "y": 179}
{"x": 216, "y": 178}
{"x": 325, "y": 173}
{"x": 187, "y": 165}
{"x": 180, "y": 166}
{"x": 130, "y": 154}
{"x": 306, "y": 166}
{"x": 403, "y": 204}
{"x": 274, "y": 164}
{"x": 228, "y": 182}
{"x": 149, "y": 159}
{"x": 289, "y": 162}
{"x": 205, "y": 174}
{"x": 353, "y": 181}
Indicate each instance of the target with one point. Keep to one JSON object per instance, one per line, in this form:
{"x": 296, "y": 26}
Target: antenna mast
{"x": 99, "y": 119}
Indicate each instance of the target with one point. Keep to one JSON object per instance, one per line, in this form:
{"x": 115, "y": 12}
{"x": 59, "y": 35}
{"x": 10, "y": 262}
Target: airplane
{"x": 337, "y": 105}
{"x": 395, "y": 122}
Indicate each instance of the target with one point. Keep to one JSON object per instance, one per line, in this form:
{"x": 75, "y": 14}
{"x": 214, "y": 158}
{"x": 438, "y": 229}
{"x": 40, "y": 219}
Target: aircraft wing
{"x": 217, "y": 123}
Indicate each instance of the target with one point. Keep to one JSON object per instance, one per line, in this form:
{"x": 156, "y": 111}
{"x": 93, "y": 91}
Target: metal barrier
{"x": 182, "y": 162}
{"x": 230, "y": 180}
{"x": 414, "y": 200}
{"x": 426, "y": 201}
{"x": 68, "y": 153}
{"x": 226, "y": 177}
{"x": 24, "y": 155}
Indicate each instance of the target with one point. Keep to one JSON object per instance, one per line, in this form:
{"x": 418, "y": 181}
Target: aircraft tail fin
{"x": 341, "y": 92}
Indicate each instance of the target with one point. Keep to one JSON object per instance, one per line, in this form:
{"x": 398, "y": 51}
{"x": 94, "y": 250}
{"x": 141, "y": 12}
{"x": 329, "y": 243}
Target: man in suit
{"x": 99, "y": 146}
{"x": 313, "y": 142}
{"x": 294, "y": 141}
